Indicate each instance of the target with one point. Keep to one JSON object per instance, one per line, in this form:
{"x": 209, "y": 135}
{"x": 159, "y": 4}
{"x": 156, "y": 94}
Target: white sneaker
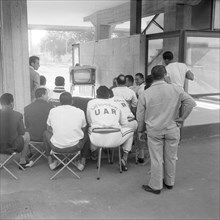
{"x": 54, "y": 165}
{"x": 80, "y": 166}
{"x": 30, "y": 164}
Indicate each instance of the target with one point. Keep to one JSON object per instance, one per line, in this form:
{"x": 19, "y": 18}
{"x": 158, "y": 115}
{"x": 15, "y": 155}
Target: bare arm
{"x": 189, "y": 75}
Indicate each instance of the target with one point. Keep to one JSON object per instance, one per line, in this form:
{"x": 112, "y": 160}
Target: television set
{"x": 83, "y": 75}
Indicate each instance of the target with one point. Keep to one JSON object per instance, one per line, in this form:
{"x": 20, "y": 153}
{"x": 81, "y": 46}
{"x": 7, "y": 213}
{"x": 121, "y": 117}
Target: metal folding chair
{"x": 8, "y": 158}
{"x": 66, "y": 161}
{"x": 38, "y": 147}
{"x": 106, "y": 131}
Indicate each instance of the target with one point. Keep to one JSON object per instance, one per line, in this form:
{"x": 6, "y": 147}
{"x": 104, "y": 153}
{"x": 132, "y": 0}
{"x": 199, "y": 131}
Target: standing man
{"x": 139, "y": 80}
{"x": 176, "y": 72}
{"x": 158, "y": 108}
{"x": 34, "y": 64}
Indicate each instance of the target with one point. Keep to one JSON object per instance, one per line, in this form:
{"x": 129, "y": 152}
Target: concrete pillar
{"x": 14, "y": 67}
{"x": 135, "y": 16}
{"x": 102, "y": 31}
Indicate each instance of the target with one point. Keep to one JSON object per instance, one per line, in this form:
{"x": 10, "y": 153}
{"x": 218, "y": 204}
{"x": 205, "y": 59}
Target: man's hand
{"x": 179, "y": 122}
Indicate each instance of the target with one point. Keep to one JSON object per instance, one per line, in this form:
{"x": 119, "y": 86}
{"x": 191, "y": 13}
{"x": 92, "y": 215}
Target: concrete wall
{"x": 14, "y": 67}
{"x": 114, "y": 56}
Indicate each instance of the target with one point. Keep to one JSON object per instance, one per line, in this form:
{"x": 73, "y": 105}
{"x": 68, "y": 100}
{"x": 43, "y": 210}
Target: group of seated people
{"x": 70, "y": 125}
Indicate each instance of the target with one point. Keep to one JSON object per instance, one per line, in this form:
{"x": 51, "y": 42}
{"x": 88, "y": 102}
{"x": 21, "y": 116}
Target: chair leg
{"x": 112, "y": 159}
{"x": 119, "y": 155}
{"x": 65, "y": 165}
{"x": 99, "y": 162}
{"x": 108, "y": 152}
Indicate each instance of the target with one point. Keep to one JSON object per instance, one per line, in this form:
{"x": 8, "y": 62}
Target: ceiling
{"x": 66, "y": 12}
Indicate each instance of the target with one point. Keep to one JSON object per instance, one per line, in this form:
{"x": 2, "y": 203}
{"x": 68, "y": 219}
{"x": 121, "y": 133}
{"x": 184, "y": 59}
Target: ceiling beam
{"x": 121, "y": 13}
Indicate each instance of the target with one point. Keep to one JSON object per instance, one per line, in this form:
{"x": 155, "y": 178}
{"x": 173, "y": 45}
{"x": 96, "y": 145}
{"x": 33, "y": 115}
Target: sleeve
{"x": 187, "y": 100}
{"x": 123, "y": 118}
{"x": 20, "y": 128}
{"x": 141, "y": 113}
{"x": 134, "y": 100}
{"x": 36, "y": 80}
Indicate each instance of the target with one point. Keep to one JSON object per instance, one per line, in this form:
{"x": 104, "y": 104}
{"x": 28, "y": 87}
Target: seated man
{"x": 123, "y": 91}
{"x": 59, "y": 88}
{"x": 103, "y": 112}
{"x": 13, "y": 137}
{"x": 66, "y": 129}
{"x": 36, "y": 113}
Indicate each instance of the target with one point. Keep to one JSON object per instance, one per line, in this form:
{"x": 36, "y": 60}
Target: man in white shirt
{"x": 139, "y": 80}
{"x": 103, "y": 112}
{"x": 176, "y": 72}
{"x": 34, "y": 64}
{"x": 158, "y": 114}
{"x": 130, "y": 83}
{"x": 59, "y": 88}
{"x": 66, "y": 129}
{"x": 123, "y": 91}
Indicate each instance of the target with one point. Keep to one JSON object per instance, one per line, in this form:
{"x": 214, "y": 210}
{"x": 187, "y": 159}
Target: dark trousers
{"x": 82, "y": 145}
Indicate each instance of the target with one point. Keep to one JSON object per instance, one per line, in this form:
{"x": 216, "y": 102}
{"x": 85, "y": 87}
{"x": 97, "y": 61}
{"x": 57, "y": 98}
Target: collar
{"x": 31, "y": 67}
{"x": 160, "y": 82}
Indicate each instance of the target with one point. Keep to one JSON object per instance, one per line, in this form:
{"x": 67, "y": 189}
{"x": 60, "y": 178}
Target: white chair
{"x": 66, "y": 161}
{"x": 104, "y": 132}
{"x": 8, "y": 157}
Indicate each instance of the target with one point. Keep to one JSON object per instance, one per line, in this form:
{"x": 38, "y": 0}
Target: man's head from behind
{"x": 139, "y": 78}
{"x": 34, "y": 61}
{"x": 43, "y": 80}
{"x": 129, "y": 80}
{"x": 102, "y": 92}
{"x": 59, "y": 81}
{"x": 167, "y": 57}
{"x": 7, "y": 101}
{"x": 158, "y": 72}
{"x": 41, "y": 93}
{"x": 66, "y": 98}
{"x": 121, "y": 80}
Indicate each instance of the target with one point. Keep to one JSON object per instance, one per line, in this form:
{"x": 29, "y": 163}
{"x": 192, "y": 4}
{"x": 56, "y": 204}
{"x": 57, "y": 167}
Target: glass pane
{"x": 202, "y": 56}
{"x": 217, "y": 17}
{"x": 156, "y": 49}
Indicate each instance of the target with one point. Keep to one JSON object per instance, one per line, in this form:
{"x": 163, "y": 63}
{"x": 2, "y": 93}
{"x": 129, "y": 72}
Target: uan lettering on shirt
{"x": 105, "y": 111}
{"x": 124, "y": 106}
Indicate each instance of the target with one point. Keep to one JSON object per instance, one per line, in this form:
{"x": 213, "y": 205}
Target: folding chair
{"x": 105, "y": 132}
{"x": 66, "y": 161}
{"x": 8, "y": 158}
{"x": 38, "y": 147}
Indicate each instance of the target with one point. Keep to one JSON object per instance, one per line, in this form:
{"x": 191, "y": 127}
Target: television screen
{"x": 83, "y": 75}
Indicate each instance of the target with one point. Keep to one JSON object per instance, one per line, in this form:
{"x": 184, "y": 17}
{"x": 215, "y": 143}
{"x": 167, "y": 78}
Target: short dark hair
{"x": 66, "y": 98}
{"x": 42, "y": 80}
{"x": 168, "y": 55}
{"x": 140, "y": 75}
{"x": 33, "y": 59}
{"x": 39, "y": 92}
{"x": 158, "y": 72}
{"x": 121, "y": 80}
{"x": 103, "y": 92}
{"x": 130, "y": 78}
{"x": 149, "y": 80}
{"x": 6, "y": 99}
{"x": 59, "y": 81}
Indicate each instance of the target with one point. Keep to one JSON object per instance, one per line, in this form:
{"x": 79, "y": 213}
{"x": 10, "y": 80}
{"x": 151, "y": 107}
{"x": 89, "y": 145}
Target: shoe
{"x": 149, "y": 189}
{"x": 140, "y": 160}
{"x": 167, "y": 186}
{"x": 124, "y": 165}
{"x": 54, "y": 165}
{"x": 80, "y": 166}
{"x": 27, "y": 164}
